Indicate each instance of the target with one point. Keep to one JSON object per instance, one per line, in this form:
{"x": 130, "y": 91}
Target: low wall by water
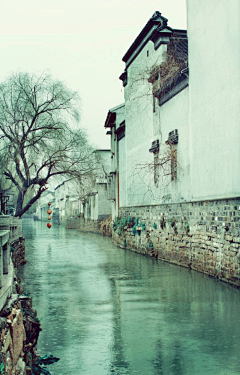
{"x": 204, "y": 236}
{"x": 19, "y": 327}
{"x": 101, "y": 226}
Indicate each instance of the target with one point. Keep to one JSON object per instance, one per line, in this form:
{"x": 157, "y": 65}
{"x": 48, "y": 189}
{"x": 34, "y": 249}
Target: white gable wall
{"x": 139, "y": 120}
{"x": 214, "y": 63}
{"x": 144, "y": 126}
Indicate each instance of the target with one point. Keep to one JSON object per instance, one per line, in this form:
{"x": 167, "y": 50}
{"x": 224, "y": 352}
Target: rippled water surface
{"x": 106, "y": 311}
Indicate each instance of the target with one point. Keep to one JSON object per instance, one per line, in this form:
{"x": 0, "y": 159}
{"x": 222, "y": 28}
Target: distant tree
{"x": 36, "y": 139}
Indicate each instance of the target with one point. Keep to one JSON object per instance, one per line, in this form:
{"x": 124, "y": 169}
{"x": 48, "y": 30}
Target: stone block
{"x": 228, "y": 237}
{"x": 8, "y": 364}
{"x": 18, "y": 336}
{"x": 20, "y": 367}
{"x": 5, "y": 222}
{"x": 236, "y": 239}
{"x": 7, "y": 342}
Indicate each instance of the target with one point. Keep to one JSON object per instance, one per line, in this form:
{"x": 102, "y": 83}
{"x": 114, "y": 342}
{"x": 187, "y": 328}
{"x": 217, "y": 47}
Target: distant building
{"x": 76, "y": 203}
{"x": 95, "y": 205}
{"x": 115, "y": 122}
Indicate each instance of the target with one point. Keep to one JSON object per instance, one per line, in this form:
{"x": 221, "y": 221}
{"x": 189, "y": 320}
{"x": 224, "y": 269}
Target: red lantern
{"x": 49, "y": 203}
{"x": 49, "y": 211}
{"x": 49, "y": 225}
{"x": 49, "y": 217}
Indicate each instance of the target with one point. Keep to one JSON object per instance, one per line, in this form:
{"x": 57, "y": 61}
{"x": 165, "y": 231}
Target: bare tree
{"x": 36, "y": 140}
{"x": 149, "y": 179}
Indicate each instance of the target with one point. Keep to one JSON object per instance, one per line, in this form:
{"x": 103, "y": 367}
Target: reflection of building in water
{"x": 118, "y": 360}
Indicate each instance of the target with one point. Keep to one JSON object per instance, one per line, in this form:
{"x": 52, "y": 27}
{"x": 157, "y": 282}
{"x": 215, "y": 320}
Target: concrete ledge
{"x": 7, "y": 288}
{"x": 4, "y": 237}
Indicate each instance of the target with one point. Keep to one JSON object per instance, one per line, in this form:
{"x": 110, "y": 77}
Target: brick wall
{"x": 204, "y": 236}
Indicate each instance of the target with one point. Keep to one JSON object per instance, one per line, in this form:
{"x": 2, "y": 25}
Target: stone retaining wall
{"x": 204, "y": 236}
{"x": 19, "y": 326}
{"x": 18, "y": 252}
{"x": 102, "y": 226}
{"x": 19, "y": 331}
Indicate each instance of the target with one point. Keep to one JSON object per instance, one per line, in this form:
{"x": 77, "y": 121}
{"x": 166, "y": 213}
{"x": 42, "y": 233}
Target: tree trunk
{"x": 20, "y": 200}
{"x": 20, "y": 209}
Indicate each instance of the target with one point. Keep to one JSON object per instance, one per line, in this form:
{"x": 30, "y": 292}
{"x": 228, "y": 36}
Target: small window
{"x": 147, "y": 53}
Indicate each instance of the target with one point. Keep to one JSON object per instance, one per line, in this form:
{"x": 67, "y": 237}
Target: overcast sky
{"x": 80, "y": 43}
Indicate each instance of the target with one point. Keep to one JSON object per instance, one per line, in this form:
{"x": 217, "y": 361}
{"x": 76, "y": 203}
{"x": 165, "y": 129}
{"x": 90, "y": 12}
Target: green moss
{"x": 134, "y": 230}
{"x": 150, "y": 245}
{"x": 143, "y": 225}
{"x": 119, "y": 225}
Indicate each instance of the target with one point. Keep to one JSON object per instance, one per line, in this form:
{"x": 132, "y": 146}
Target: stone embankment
{"x": 101, "y": 226}
{"x": 19, "y": 325}
{"x": 204, "y": 236}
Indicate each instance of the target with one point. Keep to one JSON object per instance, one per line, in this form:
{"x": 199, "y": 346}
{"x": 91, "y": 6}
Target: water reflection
{"x": 107, "y": 311}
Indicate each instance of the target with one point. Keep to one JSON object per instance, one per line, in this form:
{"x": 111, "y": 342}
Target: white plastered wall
{"x": 139, "y": 120}
{"x": 214, "y": 63}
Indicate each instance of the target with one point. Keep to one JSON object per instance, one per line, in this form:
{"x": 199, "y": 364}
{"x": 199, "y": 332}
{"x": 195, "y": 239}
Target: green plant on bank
{"x": 129, "y": 220}
{"x": 39, "y": 367}
{"x": 150, "y": 245}
{"x": 187, "y": 227}
{"x": 2, "y": 369}
{"x": 125, "y": 242}
{"x": 154, "y": 225}
{"x": 173, "y": 223}
{"x": 162, "y": 222}
{"x": 134, "y": 228}
{"x": 120, "y": 223}
{"x": 143, "y": 225}
{"x": 115, "y": 224}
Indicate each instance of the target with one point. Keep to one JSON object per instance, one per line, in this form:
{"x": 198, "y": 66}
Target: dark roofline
{"x": 158, "y": 24}
{"x": 100, "y": 149}
{"x": 156, "y": 20}
{"x": 111, "y": 117}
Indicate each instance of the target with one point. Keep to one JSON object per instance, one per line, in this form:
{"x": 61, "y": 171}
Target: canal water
{"x": 106, "y": 310}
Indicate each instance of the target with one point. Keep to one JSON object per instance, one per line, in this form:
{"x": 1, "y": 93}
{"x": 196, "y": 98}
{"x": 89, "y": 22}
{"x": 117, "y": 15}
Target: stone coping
{"x": 7, "y": 281}
{"x": 4, "y": 236}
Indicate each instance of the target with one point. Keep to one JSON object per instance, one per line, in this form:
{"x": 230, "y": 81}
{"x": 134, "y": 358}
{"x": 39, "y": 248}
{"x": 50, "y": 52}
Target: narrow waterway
{"x": 106, "y": 310}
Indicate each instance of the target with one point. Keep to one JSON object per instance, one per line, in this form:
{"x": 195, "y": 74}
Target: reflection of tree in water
{"x": 173, "y": 363}
{"x": 158, "y": 361}
{"x": 118, "y": 361}
{"x": 177, "y": 366}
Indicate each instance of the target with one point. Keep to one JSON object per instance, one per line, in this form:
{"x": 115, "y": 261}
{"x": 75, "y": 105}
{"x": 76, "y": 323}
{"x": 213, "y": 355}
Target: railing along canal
{"x": 10, "y": 232}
